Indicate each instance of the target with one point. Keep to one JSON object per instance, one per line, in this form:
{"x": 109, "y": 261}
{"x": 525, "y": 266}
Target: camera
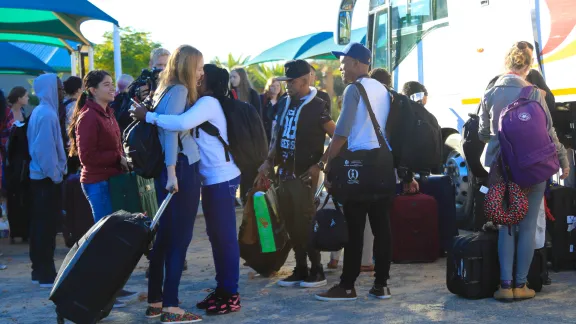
{"x": 147, "y": 78}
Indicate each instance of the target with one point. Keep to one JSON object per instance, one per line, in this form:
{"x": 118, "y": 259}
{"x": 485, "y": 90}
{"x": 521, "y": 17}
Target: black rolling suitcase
{"x": 442, "y": 189}
{"x": 562, "y": 204}
{"x": 472, "y": 267}
{"x": 100, "y": 264}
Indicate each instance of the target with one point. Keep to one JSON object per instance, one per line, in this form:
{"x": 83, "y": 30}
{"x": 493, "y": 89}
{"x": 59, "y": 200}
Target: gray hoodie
{"x": 505, "y": 91}
{"x": 44, "y": 136}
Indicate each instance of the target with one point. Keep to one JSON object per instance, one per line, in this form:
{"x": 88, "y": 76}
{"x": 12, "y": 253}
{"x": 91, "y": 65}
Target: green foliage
{"x": 259, "y": 74}
{"x": 135, "y": 49}
{"x": 230, "y": 62}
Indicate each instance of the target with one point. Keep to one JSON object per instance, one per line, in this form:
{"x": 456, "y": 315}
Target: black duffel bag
{"x": 329, "y": 229}
{"x": 363, "y": 175}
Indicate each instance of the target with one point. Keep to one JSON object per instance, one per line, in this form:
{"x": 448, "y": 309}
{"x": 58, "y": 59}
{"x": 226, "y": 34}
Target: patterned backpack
{"x": 528, "y": 152}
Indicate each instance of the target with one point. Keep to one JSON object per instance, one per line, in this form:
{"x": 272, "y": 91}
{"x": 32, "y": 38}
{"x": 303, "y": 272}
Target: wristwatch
{"x": 321, "y": 165}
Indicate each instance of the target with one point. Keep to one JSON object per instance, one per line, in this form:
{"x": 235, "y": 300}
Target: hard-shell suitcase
{"x": 100, "y": 264}
{"x": 78, "y": 216}
{"x": 414, "y": 224}
{"x": 442, "y": 189}
{"x": 472, "y": 266}
{"x": 562, "y": 204}
{"x": 134, "y": 194}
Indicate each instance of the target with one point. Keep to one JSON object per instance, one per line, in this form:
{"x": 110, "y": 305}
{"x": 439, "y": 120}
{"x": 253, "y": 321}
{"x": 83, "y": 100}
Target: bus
{"x": 455, "y": 47}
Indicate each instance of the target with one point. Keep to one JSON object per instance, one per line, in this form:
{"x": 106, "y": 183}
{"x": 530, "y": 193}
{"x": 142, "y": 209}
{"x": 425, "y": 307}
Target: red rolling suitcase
{"x": 100, "y": 264}
{"x": 78, "y": 218}
{"x": 414, "y": 224}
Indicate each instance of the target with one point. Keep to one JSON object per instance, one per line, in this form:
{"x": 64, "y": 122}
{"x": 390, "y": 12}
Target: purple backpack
{"x": 528, "y": 152}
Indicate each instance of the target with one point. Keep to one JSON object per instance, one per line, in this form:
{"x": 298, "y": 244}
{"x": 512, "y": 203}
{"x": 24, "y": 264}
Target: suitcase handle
{"x": 161, "y": 209}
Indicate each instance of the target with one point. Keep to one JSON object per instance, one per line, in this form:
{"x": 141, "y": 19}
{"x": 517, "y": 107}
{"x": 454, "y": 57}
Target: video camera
{"x": 147, "y": 78}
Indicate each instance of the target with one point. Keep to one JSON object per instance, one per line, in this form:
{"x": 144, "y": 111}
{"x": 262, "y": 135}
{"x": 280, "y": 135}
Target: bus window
{"x": 411, "y": 20}
{"x": 380, "y": 41}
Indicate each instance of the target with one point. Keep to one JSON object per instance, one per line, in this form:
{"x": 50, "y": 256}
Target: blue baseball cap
{"x": 356, "y": 51}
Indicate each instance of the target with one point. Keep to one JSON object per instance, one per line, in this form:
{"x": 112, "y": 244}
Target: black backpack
{"x": 17, "y": 157}
{"x": 247, "y": 138}
{"x": 142, "y": 147}
{"x": 416, "y": 136}
{"x": 329, "y": 230}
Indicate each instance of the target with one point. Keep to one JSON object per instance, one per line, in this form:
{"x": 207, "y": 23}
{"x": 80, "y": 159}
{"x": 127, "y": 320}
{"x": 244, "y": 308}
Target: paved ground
{"x": 419, "y": 296}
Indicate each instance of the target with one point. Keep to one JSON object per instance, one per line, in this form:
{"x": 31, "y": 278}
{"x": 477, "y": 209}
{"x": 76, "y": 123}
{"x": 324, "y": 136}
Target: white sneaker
{"x": 3, "y": 267}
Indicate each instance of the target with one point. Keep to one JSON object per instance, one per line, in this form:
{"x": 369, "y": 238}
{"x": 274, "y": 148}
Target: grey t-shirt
{"x": 348, "y": 113}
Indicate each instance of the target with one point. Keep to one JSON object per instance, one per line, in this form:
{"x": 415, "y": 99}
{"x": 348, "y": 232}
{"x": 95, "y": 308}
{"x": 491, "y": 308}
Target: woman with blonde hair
{"x": 506, "y": 90}
{"x": 269, "y": 98}
{"x": 241, "y": 84}
{"x": 177, "y": 92}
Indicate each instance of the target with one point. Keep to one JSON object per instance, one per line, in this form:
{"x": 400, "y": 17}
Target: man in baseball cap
{"x": 297, "y": 148}
{"x": 356, "y": 51}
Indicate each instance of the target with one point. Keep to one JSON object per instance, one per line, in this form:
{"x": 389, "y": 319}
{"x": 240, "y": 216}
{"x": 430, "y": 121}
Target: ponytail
{"x": 74, "y": 122}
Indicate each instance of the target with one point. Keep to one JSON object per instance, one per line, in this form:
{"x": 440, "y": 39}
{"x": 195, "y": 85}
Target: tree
{"x": 230, "y": 62}
{"x": 135, "y": 47}
{"x": 259, "y": 74}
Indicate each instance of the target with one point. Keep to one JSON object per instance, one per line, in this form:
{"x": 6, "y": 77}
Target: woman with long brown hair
{"x": 270, "y": 97}
{"x": 241, "y": 84}
{"x": 179, "y": 81}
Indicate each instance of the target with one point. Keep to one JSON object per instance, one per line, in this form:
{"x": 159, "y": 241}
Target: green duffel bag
{"x": 133, "y": 194}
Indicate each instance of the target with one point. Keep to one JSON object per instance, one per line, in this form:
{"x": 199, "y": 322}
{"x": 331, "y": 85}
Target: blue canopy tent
{"x": 291, "y": 48}
{"x": 56, "y": 57}
{"x": 323, "y": 50}
{"x": 15, "y": 60}
{"x": 314, "y": 46}
{"x": 52, "y": 22}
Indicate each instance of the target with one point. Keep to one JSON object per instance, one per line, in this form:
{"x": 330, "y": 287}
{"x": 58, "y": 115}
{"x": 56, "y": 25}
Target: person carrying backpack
{"x": 511, "y": 88}
{"x": 221, "y": 178}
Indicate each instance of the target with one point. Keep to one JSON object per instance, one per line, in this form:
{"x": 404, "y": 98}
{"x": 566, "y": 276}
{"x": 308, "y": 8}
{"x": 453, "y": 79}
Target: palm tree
{"x": 259, "y": 74}
{"x": 231, "y": 62}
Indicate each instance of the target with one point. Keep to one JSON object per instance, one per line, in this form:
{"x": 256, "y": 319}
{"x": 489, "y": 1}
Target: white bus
{"x": 455, "y": 47}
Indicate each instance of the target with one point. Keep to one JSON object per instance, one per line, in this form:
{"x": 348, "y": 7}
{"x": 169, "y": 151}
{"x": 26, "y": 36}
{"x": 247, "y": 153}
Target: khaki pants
{"x": 367, "y": 251}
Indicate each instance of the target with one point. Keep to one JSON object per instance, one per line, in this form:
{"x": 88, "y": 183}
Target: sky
{"x": 219, "y": 27}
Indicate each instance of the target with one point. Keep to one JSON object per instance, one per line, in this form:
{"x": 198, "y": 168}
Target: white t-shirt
{"x": 354, "y": 121}
{"x": 213, "y": 166}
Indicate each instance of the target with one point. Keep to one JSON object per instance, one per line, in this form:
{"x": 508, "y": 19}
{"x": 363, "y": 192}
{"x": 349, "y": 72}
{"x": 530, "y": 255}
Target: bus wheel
{"x": 456, "y": 168}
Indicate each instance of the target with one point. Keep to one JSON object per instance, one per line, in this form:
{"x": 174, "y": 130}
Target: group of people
{"x": 191, "y": 93}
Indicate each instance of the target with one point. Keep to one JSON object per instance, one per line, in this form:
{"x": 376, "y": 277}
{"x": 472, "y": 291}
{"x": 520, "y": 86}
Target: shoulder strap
{"x": 526, "y": 92}
{"x": 379, "y": 134}
{"x": 164, "y": 92}
{"x": 212, "y": 130}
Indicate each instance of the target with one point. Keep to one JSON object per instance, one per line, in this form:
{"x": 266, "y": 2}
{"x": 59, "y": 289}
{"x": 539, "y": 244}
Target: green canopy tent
{"x": 54, "y": 23}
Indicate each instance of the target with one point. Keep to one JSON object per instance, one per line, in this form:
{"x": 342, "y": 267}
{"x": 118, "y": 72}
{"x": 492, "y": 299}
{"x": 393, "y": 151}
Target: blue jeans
{"x": 174, "y": 233}
{"x": 218, "y": 203}
{"x": 526, "y": 233}
{"x": 98, "y": 195}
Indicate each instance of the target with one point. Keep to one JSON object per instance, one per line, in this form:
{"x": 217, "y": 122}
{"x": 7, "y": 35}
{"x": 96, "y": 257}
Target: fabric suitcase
{"x": 479, "y": 218}
{"x": 472, "y": 266}
{"x": 442, "y": 189}
{"x": 100, "y": 264}
{"x": 78, "y": 216}
{"x": 562, "y": 203}
{"x": 414, "y": 224}
{"x": 134, "y": 194}
{"x": 249, "y": 241}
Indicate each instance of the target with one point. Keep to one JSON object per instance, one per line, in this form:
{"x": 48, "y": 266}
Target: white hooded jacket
{"x": 44, "y": 135}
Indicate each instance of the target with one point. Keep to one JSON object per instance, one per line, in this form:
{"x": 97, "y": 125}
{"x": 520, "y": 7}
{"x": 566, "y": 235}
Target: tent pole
{"x": 73, "y": 63}
{"x": 90, "y": 58}
{"x": 117, "y": 55}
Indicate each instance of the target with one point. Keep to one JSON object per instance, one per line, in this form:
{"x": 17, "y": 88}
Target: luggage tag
{"x": 484, "y": 190}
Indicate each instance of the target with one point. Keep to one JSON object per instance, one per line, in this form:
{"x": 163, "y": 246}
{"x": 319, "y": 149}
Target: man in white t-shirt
{"x": 354, "y": 129}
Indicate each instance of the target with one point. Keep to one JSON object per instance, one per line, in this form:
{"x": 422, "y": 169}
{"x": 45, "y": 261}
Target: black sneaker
{"x": 295, "y": 279}
{"x": 338, "y": 293}
{"x": 225, "y": 305}
{"x": 315, "y": 279}
{"x": 208, "y": 301}
{"x": 380, "y": 292}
